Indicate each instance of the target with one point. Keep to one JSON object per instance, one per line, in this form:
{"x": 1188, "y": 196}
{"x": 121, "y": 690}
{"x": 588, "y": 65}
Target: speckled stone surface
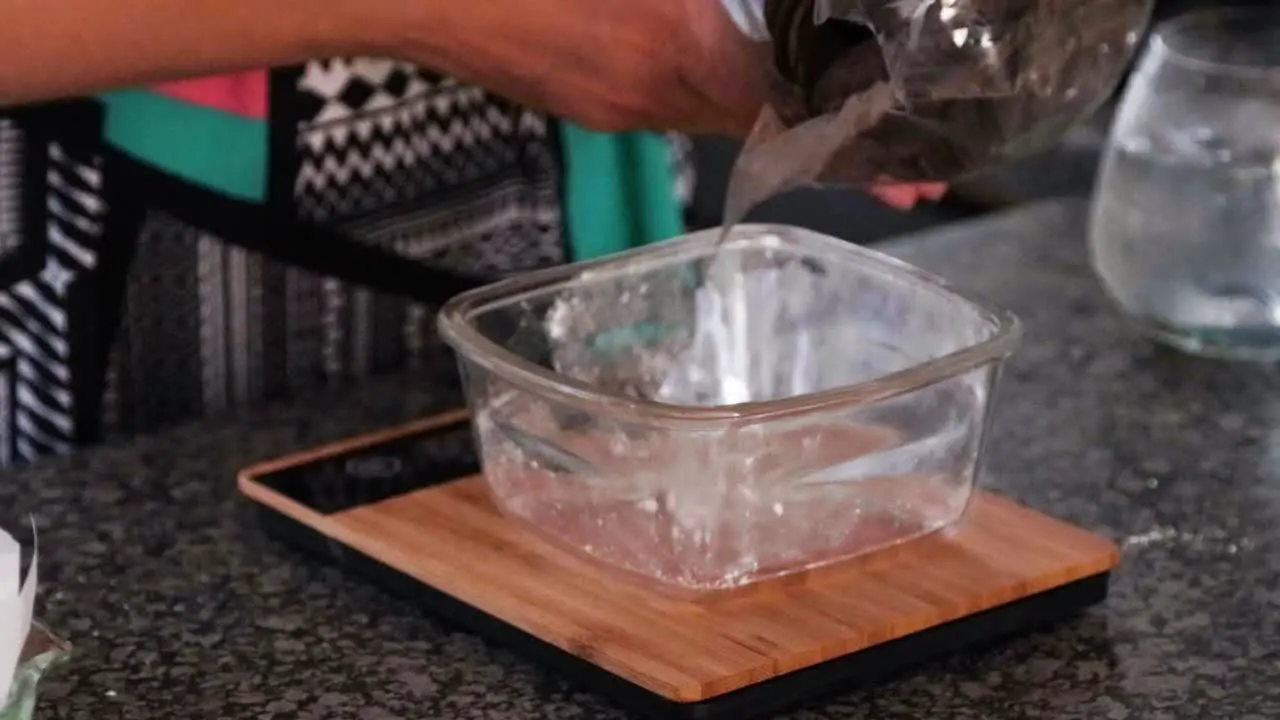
{"x": 179, "y": 608}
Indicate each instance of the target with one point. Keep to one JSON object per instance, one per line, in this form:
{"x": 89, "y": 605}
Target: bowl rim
{"x": 1165, "y": 40}
{"x": 471, "y": 345}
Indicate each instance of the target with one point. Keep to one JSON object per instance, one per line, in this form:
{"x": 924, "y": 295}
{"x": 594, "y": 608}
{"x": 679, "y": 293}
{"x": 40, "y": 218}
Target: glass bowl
{"x": 1186, "y": 209}
{"x": 43, "y": 652}
{"x": 710, "y": 420}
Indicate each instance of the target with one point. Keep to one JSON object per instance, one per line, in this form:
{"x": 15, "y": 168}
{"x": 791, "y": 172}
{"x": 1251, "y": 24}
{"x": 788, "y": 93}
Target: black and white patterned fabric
{"x": 131, "y": 300}
{"x": 391, "y": 157}
{"x": 10, "y": 185}
{"x": 683, "y": 168}
{"x": 50, "y": 242}
{"x": 374, "y": 133}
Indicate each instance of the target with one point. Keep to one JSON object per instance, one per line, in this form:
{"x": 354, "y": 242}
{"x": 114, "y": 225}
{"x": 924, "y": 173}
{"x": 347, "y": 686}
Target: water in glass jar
{"x": 1186, "y": 237}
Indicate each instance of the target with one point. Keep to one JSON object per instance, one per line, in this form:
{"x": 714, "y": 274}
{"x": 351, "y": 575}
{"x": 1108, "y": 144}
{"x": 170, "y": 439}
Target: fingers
{"x": 899, "y": 197}
{"x": 932, "y": 191}
{"x": 905, "y": 197}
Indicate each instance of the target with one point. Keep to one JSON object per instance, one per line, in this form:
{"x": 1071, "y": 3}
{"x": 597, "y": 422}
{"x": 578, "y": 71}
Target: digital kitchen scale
{"x": 401, "y": 508}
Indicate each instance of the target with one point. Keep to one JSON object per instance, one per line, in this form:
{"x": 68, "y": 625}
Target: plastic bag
{"x": 883, "y": 91}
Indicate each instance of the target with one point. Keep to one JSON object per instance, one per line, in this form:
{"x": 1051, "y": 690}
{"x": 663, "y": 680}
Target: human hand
{"x": 611, "y": 65}
{"x": 905, "y": 197}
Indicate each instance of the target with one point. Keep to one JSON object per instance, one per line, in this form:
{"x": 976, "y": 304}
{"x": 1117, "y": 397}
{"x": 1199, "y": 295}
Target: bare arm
{"x": 611, "y": 64}
{"x": 68, "y": 47}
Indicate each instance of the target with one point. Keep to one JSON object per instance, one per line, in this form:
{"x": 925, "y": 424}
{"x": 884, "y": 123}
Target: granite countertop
{"x": 180, "y": 608}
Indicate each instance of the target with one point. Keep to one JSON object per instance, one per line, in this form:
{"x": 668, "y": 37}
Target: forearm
{"x": 56, "y": 48}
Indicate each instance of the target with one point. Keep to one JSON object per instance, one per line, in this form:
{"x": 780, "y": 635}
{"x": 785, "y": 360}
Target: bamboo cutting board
{"x": 398, "y": 506}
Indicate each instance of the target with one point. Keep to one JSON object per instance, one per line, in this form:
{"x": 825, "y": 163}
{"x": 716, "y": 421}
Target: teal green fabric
{"x": 619, "y": 191}
{"x": 206, "y": 146}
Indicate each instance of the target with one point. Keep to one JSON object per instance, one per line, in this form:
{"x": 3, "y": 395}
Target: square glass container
{"x": 709, "y": 415}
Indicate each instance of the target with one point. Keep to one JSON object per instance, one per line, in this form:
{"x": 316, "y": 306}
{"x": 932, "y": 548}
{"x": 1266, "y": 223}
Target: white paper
{"x": 17, "y": 605}
{"x": 10, "y": 565}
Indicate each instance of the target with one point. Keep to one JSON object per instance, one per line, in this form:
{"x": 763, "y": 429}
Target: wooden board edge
{"x": 1106, "y": 547}
{"x": 249, "y": 486}
{"x": 1108, "y": 552}
{"x": 729, "y": 705}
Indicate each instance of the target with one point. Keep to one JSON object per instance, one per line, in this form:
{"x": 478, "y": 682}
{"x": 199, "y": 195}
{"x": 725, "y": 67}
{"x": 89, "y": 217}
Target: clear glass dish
{"x": 42, "y": 653}
{"x": 709, "y": 421}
